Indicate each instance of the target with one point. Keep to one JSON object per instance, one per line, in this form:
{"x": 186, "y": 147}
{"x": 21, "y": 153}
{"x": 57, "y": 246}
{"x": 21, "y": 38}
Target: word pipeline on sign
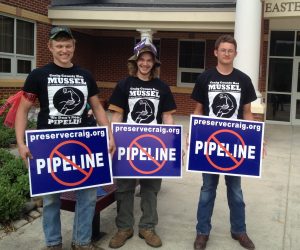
{"x": 68, "y": 159}
{"x": 147, "y": 151}
{"x": 225, "y": 146}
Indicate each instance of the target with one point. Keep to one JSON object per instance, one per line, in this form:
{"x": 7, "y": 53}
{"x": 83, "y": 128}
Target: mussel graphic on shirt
{"x": 143, "y": 111}
{"x": 224, "y": 105}
{"x": 68, "y": 101}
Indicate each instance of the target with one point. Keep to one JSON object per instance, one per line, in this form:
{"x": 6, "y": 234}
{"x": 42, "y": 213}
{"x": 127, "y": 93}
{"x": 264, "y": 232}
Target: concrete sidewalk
{"x": 272, "y": 206}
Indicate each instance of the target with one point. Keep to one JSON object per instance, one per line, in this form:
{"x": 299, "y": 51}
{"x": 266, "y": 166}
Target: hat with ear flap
{"x": 143, "y": 46}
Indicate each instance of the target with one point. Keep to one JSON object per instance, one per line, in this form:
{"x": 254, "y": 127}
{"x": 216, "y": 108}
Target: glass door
{"x": 279, "y": 90}
{"x": 295, "y": 108}
{"x": 280, "y": 77}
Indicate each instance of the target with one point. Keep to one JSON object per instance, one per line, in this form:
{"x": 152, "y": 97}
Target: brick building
{"x": 183, "y": 31}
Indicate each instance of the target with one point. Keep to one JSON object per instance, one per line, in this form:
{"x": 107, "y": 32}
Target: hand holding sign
{"x": 24, "y": 153}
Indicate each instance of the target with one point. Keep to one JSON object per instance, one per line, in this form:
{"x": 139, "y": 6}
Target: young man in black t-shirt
{"x": 140, "y": 98}
{"x": 63, "y": 90}
{"x": 223, "y": 92}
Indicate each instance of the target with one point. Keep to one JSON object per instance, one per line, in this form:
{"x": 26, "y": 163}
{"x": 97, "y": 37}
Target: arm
{"x": 20, "y": 126}
{"x": 102, "y": 119}
{"x": 198, "y": 109}
{"x": 167, "y": 118}
{"x": 247, "y": 114}
{"x": 117, "y": 116}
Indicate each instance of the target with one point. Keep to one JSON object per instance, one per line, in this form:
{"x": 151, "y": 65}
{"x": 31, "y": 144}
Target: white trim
{"x": 157, "y": 20}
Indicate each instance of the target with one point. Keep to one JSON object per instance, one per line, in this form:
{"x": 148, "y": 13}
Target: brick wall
{"x": 85, "y": 48}
{"x": 111, "y": 57}
{"x": 211, "y": 60}
{"x": 264, "y": 58}
{"x": 43, "y": 55}
{"x": 168, "y": 58}
{"x": 263, "y": 73}
{"x": 6, "y": 92}
{"x": 37, "y": 6}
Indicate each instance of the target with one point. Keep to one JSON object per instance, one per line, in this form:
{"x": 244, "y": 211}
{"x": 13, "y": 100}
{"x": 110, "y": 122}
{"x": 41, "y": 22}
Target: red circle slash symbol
{"x": 85, "y": 173}
{"x": 237, "y": 163}
{"x": 136, "y": 143}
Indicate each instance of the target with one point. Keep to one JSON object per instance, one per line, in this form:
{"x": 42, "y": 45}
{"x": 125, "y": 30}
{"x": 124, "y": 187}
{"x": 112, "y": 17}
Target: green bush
{"x": 5, "y": 156}
{"x": 7, "y": 135}
{"x": 14, "y": 186}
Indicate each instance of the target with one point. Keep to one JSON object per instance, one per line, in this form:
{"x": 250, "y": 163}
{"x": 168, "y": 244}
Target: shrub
{"x": 5, "y": 156}
{"x": 7, "y": 135}
{"x": 14, "y": 186}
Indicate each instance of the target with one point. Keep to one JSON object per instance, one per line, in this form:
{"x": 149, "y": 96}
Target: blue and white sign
{"x": 147, "y": 151}
{"x": 68, "y": 159}
{"x": 225, "y": 146}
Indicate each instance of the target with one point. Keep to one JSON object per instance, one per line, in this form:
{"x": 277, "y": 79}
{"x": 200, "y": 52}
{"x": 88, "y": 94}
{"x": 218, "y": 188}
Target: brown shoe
{"x": 120, "y": 238}
{"x": 85, "y": 247}
{"x": 56, "y": 247}
{"x": 244, "y": 240}
{"x": 151, "y": 238}
{"x": 200, "y": 241}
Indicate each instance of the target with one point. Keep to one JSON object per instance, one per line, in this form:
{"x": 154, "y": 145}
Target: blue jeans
{"x": 83, "y": 219}
{"x": 207, "y": 199}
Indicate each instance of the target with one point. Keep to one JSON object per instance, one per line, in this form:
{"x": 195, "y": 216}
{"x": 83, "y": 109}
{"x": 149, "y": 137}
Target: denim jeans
{"x": 207, "y": 200}
{"x": 125, "y": 202}
{"x": 83, "y": 219}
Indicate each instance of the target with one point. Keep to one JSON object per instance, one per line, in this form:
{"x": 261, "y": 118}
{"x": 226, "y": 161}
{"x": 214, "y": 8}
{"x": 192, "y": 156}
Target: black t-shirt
{"x": 143, "y": 101}
{"x": 63, "y": 95}
{"x": 224, "y": 95}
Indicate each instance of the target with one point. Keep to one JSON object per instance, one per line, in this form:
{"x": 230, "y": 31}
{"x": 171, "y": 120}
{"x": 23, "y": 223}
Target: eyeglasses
{"x": 225, "y": 51}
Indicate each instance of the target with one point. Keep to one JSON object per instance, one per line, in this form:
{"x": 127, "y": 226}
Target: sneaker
{"x": 200, "y": 241}
{"x": 244, "y": 240}
{"x": 85, "y": 247}
{"x": 151, "y": 238}
{"x": 56, "y": 247}
{"x": 120, "y": 238}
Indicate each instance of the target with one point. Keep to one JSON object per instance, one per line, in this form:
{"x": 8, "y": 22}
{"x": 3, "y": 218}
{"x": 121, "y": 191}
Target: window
{"x": 16, "y": 46}
{"x": 191, "y": 62}
{"x": 282, "y": 43}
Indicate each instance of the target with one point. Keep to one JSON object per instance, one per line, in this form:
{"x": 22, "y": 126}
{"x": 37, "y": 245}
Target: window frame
{"x": 189, "y": 70}
{"x": 14, "y": 57}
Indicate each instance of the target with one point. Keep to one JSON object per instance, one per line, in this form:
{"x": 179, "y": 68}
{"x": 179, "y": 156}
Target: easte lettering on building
{"x": 282, "y": 6}
{"x": 147, "y": 154}
{"x": 84, "y": 161}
